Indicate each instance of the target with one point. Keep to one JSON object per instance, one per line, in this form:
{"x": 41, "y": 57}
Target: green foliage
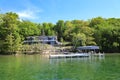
{"x": 68, "y": 31}
{"x": 28, "y": 28}
{"x": 107, "y": 33}
{"x": 81, "y": 28}
{"x": 97, "y": 31}
{"x": 78, "y": 40}
{"x": 48, "y": 29}
{"x": 59, "y": 28}
{"x": 96, "y": 21}
{"x": 8, "y": 44}
{"x": 9, "y": 33}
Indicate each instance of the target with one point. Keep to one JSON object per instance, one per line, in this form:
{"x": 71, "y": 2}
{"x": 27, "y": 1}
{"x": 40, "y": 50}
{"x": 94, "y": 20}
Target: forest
{"x": 104, "y": 32}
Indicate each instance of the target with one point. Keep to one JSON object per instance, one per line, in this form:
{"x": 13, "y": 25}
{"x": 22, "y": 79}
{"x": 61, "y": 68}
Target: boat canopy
{"x": 88, "y": 47}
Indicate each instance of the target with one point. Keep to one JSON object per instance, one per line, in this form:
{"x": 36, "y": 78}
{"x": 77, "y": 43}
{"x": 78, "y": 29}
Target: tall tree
{"x": 68, "y": 31}
{"x": 78, "y": 40}
{"x": 10, "y": 33}
{"x": 59, "y": 28}
{"x": 28, "y": 28}
{"x": 48, "y": 29}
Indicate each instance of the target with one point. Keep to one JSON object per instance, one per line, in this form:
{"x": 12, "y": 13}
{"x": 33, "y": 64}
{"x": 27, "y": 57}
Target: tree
{"x": 106, "y": 33}
{"x": 81, "y": 27}
{"x": 48, "y": 29}
{"x": 78, "y": 40}
{"x": 28, "y": 28}
{"x": 68, "y": 31}
{"x": 10, "y": 33}
{"x": 94, "y": 22}
{"x": 59, "y": 28}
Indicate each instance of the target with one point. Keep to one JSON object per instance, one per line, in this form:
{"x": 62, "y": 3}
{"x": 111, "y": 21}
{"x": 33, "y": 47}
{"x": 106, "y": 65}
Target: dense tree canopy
{"x": 9, "y": 33}
{"x": 97, "y": 31}
{"x": 107, "y": 33}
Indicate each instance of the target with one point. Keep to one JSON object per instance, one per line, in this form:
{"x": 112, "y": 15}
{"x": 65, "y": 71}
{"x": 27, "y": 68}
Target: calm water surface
{"x": 36, "y": 67}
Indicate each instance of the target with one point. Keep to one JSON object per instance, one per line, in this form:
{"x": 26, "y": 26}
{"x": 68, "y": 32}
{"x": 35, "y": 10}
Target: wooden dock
{"x": 99, "y": 54}
{"x": 75, "y": 55}
{"x": 69, "y": 55}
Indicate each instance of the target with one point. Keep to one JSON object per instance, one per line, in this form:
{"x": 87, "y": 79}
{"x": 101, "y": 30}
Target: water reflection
{"x": 83, "y": 59}
{"x": 37, "y": 67}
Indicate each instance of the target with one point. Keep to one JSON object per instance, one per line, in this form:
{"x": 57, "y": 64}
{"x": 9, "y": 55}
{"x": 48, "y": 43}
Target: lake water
{"x": 36, "y": 67}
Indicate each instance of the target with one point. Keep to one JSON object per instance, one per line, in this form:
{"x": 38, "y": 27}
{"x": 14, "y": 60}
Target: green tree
{"x": 96, "y": 21}
{"x": 48, "y": 29}
{"x": 106, "y": 33}
{"x": 60, "y": 28}
{"x": 78, "y": 40}
{"x": 9, "y": 30}
{"x": 68, "y": 31}
{"x": 28, "y": 28}
{"x": 81, "y": 27}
